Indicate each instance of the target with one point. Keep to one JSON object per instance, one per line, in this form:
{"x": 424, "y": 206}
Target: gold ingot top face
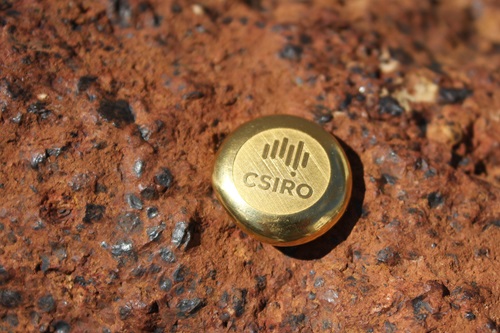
{"x": 284, "y": 180}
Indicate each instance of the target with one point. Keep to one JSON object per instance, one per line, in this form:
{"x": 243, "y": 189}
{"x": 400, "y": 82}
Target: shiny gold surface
{"x": 284, "y": 179}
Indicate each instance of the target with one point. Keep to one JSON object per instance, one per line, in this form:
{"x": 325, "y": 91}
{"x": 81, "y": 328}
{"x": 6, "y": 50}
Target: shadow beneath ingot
{"x": 323, "y": 245}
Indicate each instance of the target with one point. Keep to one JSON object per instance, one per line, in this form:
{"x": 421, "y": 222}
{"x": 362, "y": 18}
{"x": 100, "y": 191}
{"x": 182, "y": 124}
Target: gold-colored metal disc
{"x": 285, "y": 180}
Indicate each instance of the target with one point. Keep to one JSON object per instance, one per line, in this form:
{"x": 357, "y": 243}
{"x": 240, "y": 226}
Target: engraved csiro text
{"x": 281, "y": 171}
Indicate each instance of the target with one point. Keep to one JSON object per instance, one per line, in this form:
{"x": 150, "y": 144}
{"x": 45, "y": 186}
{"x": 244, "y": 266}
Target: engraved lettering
{"x": 307, "y": 194}
{"x": 287, "y": 185}
{"x": 277, "y": 185}
{"x": 248, "y": 175}
{"x": 265, "y": 180}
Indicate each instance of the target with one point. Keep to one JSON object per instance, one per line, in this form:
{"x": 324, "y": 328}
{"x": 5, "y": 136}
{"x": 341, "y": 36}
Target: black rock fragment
{"x": 193, "y": 95}
{"x": 388, "y": 256}
{"x": 138, "y": 168}
{"x": 154, "y": 232}
{"x": 46, "y": 303}
{"x": 261, "y": 282}
{"x": 11, "y": 319}
{"x": 149, "y": 193}
{"x": 93, "y": 213}
{"x": 125, "y": 311}
{"x": 17, "y": 118}
{"x": 120, "y": 12}
{"x": 165, "y": 284}
{"x": 152, "y": 212}
{"x": 167, "y": 255}
{"x": 188, "y": 307}
{"x": 389, "y": 105}
{"x": 322, "y": 114}
{"x": 435, "y": 199}
{"x": 453, "y": 95}
{"x": 344, "y": 105}
{"x": 118, "y": 112}
{"x": 4, "y": 275}
{"x": 419, "y": 305}
{"x": 176, "y": 8}
{"x": 134, "y": 201}
{"x": 85, "y": 82}
{"x": 239, "y": 301}
{"x": 164, "y": 178}
{"x": 122, "y": 248}
{"x": 180, "y": 273}
{"x": 10, "y": 298}
{"x": 470, "y": 316}
{"x": 291, "y": 52}
{"x": 37, "y": 159}
{"x": 181, "y": 234}
{"x": 40, "y": 109}
{"x": 145, "y": 133}
{"x": 305, "y": 39}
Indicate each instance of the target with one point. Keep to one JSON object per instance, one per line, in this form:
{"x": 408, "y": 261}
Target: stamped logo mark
{"x": 280, "y": 171}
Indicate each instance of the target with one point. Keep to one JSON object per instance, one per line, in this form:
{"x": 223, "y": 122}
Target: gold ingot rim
{"x": 284, "y": 229}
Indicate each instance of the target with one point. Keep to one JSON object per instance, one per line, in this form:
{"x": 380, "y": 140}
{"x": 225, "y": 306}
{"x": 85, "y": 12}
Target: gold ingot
{"x": 285, "y": 180}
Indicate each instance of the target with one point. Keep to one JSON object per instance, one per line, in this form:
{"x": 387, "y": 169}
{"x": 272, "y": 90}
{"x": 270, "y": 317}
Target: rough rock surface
{"x": 111, "y": 113}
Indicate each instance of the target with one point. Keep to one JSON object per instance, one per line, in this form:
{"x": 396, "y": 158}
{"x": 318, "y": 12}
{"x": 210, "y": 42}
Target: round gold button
{"x": 285, "y": 180}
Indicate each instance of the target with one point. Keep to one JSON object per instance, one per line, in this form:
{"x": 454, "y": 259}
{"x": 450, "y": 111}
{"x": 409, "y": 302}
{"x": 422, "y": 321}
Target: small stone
{"x": 453, "y": 95}
{"x": 134, "y": 201}
{"x": 154, "y": 232}
{"x": 11, "y": 319}
{"x": 388, "y": 256}
{"x": 193, "y": 95}
{"x": 470, "y": 316}
{"x": 181, "y": 234}
{"x": 10, "y": 298}
{"x": 93, "y": 213}
{"x": 125, "y": 311}
{"x": 46, "y": 303}
{"x": 389, "y": 105}
{"x": 122, "y": 248}
{"x": 435, "y": 199}
{"x": 152, "y": 212}
{"x": 54, "y": 151}
{"x": 149, "y": 193}
{"x": 322, "y": 114}
{"x": 40, "y": 109}
{"x": 18, "y": 118}
{"x": 319, "y": 282}
{"x": 138, "y": 168}
{"x": 167, "y": 255}
{"x": 164, "y": 178}
{"x": 145, "y": 133}
{"x": 37, "y": 159}
{"x": 198, "y": 9}
{"x": 61, "y": 327}
{"x": 189, "y": 306}
{"x": 118, "y": 112}
{"x": 85, "y": 82}
{"x": 239, "y": 300}
{"x": 291, "y": 52}
{"x": 165, "y": 284}
{"x": 180, "y": 273}
{"x": 4, "y": 275}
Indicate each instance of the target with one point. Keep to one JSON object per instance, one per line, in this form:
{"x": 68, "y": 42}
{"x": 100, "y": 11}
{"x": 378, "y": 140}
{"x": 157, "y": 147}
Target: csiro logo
{"x": 293, "y": 158}
{"x": 287, "y": 155}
